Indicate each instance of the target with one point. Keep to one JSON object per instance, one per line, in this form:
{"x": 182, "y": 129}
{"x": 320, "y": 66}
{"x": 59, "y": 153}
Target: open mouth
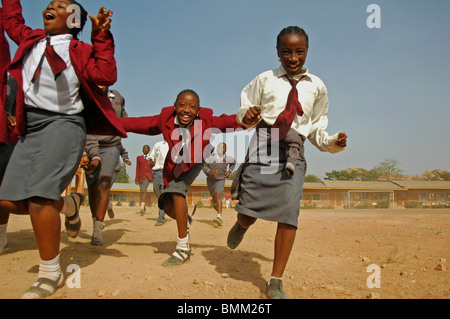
{"x": 49, "y": 16}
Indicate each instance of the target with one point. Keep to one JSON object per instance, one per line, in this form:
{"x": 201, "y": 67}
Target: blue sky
{"x": 389, "y": 87}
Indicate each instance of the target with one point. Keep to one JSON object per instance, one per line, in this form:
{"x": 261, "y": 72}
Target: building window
{"x": 431, "y": 195}
{"x": 307, "y": 196}
{"x": 123, "y": 198}
{"x": 374, "y": 196}
{"x": 115, "y": 197}
{"x": 440, "y": 196}
{"x": 205, "y": 195}
{"x": 316, "y": 197}
{"x": 423, "y": 196}
{"x": 365, "y": 196}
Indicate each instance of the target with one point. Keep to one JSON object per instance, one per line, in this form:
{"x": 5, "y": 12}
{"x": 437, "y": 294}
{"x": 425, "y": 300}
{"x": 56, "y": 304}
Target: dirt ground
{"x": 410, "y": 249}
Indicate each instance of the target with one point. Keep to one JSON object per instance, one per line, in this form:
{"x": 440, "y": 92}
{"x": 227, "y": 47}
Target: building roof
{"x": 361, "y": 185}
{"x": 424, "y": 184}
{"x": 350, "y": 185}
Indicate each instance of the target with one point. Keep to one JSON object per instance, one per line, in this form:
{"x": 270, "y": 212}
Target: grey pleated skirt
{"x": 215, "y": 185}
{"x": 267, "y": 191}
{"x": 46, "y": 158}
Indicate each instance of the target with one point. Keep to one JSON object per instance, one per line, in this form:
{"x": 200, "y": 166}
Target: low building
{"x": 324, "y": 194}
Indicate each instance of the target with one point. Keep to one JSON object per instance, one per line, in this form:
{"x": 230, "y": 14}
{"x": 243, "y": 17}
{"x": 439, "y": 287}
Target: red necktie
{"x": 293, "y": 107}
{"x": 56, "y": 63}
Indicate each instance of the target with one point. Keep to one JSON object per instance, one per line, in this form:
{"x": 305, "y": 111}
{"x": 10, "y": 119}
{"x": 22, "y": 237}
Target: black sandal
{"x": 44, "y": 287}
{"x": 73, "y": 229}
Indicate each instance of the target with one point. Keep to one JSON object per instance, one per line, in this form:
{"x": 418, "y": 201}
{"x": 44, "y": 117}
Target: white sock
{"x": 277, "y": 278}
{"x": 98, "y": 229}
{"x": 219, "y": 215}
{"x": 183, "y": 243}
{"x": 68, "y": 207}
{"x": 3, "y": 239}
{"x": 50, "y": 269}
{"x": 142, "y": 205}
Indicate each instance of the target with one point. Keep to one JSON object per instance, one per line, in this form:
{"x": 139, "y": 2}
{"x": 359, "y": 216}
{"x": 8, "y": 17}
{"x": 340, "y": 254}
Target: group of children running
{"x": 60, "y": 99}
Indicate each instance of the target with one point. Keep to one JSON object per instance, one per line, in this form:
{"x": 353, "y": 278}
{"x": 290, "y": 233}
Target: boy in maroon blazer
{"x": 144, "y": 176}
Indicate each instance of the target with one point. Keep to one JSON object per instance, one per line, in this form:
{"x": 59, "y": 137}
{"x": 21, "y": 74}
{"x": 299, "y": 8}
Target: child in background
{"x": 271, "y": 100}
{"x": 53, "y": 124}
{"x": 187, "y": 129}
{"x": 144, "y": 175}
{"x": 217, "y": 169}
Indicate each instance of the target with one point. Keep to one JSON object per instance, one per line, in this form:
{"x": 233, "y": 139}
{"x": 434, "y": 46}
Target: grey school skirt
{"x": 267, "y": 191}
{"x": 215, "y": 185}
{"x": 46, "y": 158}
{"x": 179, "y": 185}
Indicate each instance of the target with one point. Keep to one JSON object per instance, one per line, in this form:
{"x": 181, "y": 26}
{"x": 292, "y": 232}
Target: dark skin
{"x": 292, "y": 51}
{"x": 44, "y": 213}
{"x": 186, "y": 108}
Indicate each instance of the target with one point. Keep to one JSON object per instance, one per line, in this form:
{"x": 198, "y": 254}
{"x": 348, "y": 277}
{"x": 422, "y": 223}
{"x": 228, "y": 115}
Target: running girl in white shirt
{"x": 263, "y": 102}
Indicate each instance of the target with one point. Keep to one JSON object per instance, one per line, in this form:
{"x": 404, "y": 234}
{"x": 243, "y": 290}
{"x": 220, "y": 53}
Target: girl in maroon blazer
{"x": 187, "y": 128}
{"x": 58, "y": 100}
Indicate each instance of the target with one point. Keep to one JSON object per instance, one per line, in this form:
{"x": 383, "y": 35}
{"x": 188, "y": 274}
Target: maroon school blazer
{"x": 94, "y": 65}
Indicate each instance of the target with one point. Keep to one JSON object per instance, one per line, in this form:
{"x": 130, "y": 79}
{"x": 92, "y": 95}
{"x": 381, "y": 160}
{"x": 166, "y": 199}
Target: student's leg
{"x": 218, "y": 205}
{"x": 217, "y": 197}
{"x": 7, "y": 207}
{"x": 237, "y": 232}
{"x": 103, "y": 191}
{"x": 44, "y": 214}
{"x": 284, "y": 241}
{"x": 4, "y": 217}
{"x": 92, "y": 192}
{"x": 176, "y": 208}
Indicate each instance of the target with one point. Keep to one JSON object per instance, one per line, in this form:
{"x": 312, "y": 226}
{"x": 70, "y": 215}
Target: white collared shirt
{"x": 158, "y": 154}
{"x": 269, "y": 91}
{"x": 60, "y": 96}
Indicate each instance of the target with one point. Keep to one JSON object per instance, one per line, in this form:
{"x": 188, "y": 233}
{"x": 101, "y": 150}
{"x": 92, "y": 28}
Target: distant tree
{"x": 122, "y": 176}
{"x": 389, "y": 169}
{"x": 352, "y": 174}
{"x": 312, "y": 179}
{"x": 436, "y": 175}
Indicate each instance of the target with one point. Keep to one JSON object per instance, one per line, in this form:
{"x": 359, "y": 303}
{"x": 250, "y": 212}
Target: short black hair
{"x": 190, "y": 92}
{"x": 292, "y": 29}
{"x": 83, "y": 18}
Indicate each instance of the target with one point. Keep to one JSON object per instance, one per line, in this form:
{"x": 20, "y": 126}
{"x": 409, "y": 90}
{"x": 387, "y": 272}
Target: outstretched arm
{"x": 14, "y": 22}
{"x": 147, "y": 125}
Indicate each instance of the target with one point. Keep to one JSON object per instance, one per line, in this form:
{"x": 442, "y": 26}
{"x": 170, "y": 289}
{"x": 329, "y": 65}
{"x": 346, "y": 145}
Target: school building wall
{"x": 324, "y": 194}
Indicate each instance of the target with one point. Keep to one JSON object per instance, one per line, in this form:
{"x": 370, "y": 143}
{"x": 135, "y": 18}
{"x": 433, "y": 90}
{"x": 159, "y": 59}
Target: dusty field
{"x": 330, "y": 259}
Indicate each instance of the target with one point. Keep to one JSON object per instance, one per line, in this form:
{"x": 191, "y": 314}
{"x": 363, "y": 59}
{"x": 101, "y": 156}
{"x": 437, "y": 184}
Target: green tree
{"x": 389, "y": 169}
{"x": 436, "y": 175}
{"x": 122, "y": 176}
{"x": 312, "y": 179}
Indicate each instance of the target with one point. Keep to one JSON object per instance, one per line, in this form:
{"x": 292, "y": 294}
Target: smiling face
{"x": 186, "y": 108}
{"x": 292, "y": 51}
{"x": 56, "y": 17}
